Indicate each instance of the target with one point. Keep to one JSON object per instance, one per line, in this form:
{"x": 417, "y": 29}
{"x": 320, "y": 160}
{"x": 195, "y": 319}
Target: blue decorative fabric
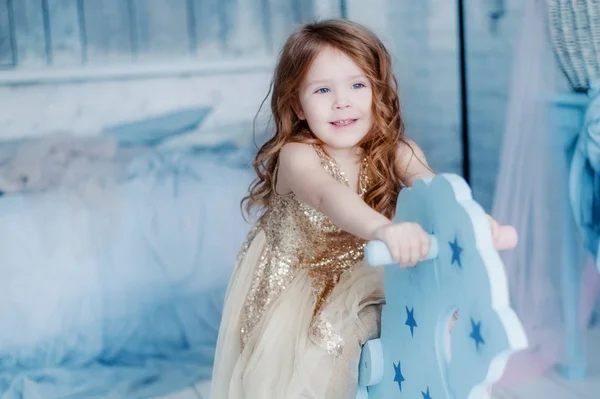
{"x": 584, "y": 178}
{"x": 151, "y": 132}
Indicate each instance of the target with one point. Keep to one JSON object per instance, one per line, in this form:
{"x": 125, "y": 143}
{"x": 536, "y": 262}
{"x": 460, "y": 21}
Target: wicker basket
{"x": 575, "y": 32}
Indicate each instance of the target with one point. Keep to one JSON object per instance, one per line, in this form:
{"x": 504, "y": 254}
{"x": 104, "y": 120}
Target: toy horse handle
{"x": 378, "y": 254}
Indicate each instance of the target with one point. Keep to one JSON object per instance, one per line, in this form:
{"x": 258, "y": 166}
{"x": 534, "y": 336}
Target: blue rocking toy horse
{"x": 416, "y": 356}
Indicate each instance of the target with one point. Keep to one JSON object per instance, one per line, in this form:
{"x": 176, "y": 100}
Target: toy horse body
{"x": 416, "y": 356}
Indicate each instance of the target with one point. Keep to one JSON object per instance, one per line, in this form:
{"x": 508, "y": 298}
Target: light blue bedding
{"x": 117, "y": 293}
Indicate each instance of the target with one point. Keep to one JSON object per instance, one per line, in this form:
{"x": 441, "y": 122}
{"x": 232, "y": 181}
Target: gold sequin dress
{"x": 299, "y": 306}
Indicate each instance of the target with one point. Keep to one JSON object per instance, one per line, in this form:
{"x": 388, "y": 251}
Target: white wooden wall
{"x": 80, "y": 65}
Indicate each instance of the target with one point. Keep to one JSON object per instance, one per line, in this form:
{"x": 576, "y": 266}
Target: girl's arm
{"x": 411, "y": 163}
{"x": 300, "y": 171}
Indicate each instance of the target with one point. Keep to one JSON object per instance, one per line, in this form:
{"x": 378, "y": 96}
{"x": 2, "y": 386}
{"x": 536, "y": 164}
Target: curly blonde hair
{"x": 380, "y": 145}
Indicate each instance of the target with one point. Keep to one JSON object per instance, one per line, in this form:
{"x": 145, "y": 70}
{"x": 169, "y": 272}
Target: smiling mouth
{"x": 343, "y": 122}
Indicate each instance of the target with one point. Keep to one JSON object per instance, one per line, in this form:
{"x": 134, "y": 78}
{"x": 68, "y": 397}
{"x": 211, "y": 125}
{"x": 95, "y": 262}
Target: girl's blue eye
{"x": 357, "y": 85}
{"x": 323, "y": 90}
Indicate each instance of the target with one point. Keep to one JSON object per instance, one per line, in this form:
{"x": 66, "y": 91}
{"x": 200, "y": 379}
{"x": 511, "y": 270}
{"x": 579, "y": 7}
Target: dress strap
{"x": 274, "y": 179}
{"x": 332, "y": 167}
{"x": 363, "y": 177}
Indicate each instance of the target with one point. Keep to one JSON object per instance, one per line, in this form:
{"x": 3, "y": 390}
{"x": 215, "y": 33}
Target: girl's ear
{"x": 298, "y": 109}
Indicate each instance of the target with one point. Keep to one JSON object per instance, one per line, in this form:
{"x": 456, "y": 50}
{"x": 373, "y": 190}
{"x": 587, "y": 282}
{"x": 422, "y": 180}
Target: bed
{"x": 113, "y": 277}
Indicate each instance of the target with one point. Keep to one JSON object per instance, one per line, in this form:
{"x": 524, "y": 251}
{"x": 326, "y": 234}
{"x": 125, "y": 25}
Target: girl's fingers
{"x": 425, "y": 244}
{"x": 507, "y": 238}
{"x": 404, "y": 252}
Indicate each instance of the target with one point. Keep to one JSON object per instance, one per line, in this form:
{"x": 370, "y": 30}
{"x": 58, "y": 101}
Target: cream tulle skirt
{"x": 280, "y": 361}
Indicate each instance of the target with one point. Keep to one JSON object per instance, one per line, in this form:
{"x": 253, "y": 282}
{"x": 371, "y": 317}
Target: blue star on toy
{"x": 398, "y": 377}
{"x": 410, "y": 320}
{"x": 456, "y": 250}
{"x": 476, "y": 333}
{"x": 426, "y": 394}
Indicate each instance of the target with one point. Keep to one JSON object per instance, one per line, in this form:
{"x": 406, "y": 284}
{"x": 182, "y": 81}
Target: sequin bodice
{"x": 299, "y": 238}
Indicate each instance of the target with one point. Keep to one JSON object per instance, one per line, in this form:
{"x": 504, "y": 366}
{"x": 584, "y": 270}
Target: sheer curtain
{"x": 529, "y": 195}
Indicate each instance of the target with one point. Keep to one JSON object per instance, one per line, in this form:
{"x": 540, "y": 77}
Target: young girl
{"x": 301, "y": 301}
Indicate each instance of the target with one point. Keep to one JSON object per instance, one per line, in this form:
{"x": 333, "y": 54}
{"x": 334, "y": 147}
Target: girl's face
{"x": 335, "y": 100}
